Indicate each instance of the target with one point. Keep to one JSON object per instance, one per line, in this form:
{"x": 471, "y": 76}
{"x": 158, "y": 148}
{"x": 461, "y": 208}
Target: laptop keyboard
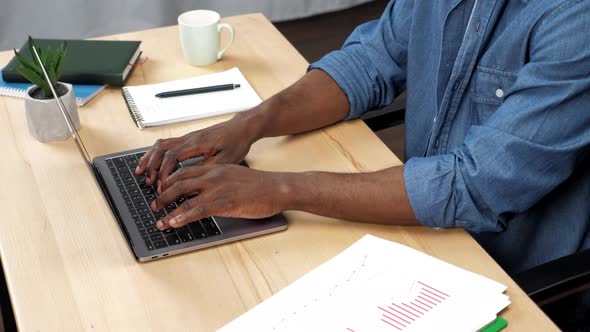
{"x": 138, "y": 196}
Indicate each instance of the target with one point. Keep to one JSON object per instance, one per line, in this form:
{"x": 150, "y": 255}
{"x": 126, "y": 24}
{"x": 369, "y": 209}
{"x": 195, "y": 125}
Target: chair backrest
{"x": 557, "y": 279}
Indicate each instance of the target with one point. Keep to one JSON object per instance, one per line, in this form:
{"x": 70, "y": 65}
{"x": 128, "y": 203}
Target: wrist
{"x": 291, "y": 190}
{"x": 252, "y": 123}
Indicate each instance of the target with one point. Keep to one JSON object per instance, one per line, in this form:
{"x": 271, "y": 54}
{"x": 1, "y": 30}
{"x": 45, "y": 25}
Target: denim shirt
{"x": 497, "y": 116}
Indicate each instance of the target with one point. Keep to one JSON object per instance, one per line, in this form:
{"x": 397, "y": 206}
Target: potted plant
{"x": 44, "y": 118}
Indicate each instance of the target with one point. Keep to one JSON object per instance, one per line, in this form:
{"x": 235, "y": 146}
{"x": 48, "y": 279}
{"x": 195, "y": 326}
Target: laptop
{"x": 129, "y": 197}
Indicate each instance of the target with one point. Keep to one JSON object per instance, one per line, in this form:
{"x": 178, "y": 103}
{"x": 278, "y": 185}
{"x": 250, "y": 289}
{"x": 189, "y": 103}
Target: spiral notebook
{"x": 19, "y": 90}
{"x": 147, "y": 110}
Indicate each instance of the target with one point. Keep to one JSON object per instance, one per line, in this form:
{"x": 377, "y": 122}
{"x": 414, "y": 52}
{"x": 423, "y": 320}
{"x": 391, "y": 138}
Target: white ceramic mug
{"x": 199, "y": 36}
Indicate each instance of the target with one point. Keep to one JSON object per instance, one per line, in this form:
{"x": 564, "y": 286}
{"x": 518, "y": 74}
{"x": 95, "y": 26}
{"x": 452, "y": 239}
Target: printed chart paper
{"x": 379, "y": 285}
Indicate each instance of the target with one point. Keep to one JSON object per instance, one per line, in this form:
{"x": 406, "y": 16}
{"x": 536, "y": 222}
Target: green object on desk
{"x": 95, "y": 62}
{"x": 497, "y": 325}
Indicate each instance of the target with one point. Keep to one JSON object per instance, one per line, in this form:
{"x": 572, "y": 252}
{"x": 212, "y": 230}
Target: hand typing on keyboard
{"x": 227, "y": 142}
{"x": 222, "y": 190}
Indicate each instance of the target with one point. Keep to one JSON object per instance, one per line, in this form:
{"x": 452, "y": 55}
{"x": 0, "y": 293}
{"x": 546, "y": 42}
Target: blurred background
{"x": 87, "y": 18}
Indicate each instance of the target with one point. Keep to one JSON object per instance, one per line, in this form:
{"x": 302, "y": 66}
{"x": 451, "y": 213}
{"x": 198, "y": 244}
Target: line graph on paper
{"x": 351, "y": 277}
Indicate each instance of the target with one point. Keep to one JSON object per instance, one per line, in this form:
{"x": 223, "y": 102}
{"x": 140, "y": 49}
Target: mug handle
{"x": 220, "y": 27}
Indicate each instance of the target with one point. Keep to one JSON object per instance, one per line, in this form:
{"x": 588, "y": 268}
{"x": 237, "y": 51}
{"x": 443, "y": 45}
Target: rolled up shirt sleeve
{"x": 371, "y": 66}
{"x": 529, "y": 146}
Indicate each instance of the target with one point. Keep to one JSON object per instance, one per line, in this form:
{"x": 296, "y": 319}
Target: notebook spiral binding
{"x": 133, "y": 110}
{"x": 12, "y": 92}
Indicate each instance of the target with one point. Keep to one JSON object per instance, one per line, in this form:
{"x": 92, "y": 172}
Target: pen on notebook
{"x": 205, "y": 89}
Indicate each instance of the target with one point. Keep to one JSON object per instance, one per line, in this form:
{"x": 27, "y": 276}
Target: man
{"x": 497, "y": 130}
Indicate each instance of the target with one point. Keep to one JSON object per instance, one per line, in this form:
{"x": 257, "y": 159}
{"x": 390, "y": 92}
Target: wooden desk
{"x": 68, "y": 267}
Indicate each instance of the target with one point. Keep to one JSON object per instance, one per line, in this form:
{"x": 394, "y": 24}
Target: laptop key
{"x": 159, "y": 214}
{"x": 148, "y": 223}
{"x": 151, "y": 229}
{"x": 149, "y": 245}
{"x": 197, "y": 229}
{"x": 148, "y": 191}
{"x": 160, "y": 244}
{"x": 210, "y": 227}
{"x": 148, "y": 216}
{"x": 156, "y": 237}
{"x": 119, "y": 162}
{"x": 170, "y": 207}
{"x": 150, "y": 198}
{"x": 185, "y": 234}
{"x": 172, "y": 239}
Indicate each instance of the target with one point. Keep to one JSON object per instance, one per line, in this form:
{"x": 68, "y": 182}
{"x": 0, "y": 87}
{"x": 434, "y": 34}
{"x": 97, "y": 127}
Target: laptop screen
{"x": 64, "y": 112}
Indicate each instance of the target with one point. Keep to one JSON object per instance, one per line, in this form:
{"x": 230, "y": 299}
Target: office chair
{"x": 561, "y": 288}
{"x": 388, "y": 117}
{"x": 556, "y": 279}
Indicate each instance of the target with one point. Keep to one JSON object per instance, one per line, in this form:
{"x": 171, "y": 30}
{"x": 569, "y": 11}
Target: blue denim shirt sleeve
{"x": 527, "y": 148}
{"x": 370, "y": 67}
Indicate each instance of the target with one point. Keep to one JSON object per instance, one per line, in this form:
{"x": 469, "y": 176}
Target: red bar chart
{"x": 401, "y": 315}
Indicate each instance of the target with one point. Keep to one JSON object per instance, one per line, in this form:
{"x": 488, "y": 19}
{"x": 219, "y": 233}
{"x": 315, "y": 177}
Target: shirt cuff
{"x": 344, "y": 70}
{"x": 428, "y": 184}
{"x": 441, "y": 197}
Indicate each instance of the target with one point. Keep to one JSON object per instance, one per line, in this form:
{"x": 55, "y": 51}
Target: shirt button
{"x": 499, "y": 93}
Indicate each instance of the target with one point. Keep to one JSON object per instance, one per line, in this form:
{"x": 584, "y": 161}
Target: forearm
{"x": 313, "y": 102}
{"x": 378, "y": 197}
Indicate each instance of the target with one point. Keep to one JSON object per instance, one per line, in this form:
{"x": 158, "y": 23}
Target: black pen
{"x": 205, "y": 89}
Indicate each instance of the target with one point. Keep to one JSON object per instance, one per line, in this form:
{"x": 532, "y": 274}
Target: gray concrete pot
{"x": 46, "y": 123}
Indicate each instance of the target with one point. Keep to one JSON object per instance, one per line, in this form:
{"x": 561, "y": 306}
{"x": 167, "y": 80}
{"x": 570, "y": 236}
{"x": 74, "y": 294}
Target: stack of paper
{"x": 379, "y": 285}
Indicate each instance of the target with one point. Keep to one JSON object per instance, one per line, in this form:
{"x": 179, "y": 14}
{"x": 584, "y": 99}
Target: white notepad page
{"x": 149, "y": 110}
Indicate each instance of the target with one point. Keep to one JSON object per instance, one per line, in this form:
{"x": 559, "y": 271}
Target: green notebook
{"x": 87, "y": 61}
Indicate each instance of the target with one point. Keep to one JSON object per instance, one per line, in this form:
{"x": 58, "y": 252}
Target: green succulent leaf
{"x": 30, "y": 44}
{"x": 53, "y": 60}
{"x": 35, "y": 78}
{"x": 27, "y": 63}
{"x": 31, "y": 75}
{"x": 59, "y": 65}
{"x": 49, "y": 61}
